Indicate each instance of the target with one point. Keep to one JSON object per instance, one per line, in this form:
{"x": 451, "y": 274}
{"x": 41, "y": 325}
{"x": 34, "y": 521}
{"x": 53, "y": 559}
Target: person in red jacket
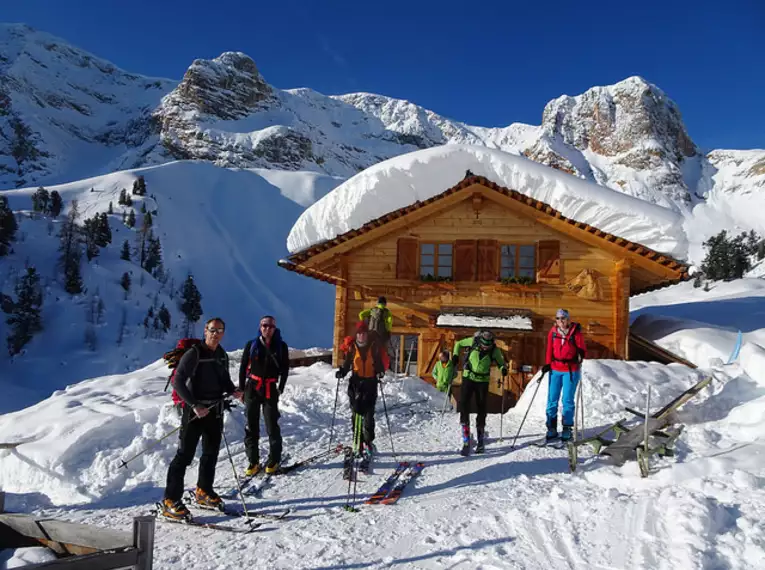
{"x": 565, "y": 353}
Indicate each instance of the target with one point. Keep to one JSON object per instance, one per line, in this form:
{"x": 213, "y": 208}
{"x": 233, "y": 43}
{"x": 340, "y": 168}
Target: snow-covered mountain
{"x": 66, "y": 114}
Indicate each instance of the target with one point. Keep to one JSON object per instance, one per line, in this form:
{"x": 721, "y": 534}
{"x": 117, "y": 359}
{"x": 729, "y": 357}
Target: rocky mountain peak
{"x": 227, "y": 87}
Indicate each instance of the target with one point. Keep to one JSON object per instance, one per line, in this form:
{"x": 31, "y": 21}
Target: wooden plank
{"x": 88, "y": 536}
{"x": 341, "y": 314}
{"x": 97, "y": 561}
{"x": 621, "y": 308}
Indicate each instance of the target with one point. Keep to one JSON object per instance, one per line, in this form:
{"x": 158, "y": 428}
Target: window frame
{"x": 516, "y": 266}
{"x": 436, "y": 259}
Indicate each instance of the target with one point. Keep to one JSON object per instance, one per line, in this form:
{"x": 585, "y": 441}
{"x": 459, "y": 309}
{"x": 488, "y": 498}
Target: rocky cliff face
{"x": 65, "y": 114}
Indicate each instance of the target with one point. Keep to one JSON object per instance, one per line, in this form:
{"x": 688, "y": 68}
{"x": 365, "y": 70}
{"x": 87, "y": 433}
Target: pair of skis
{"x": 390, "y": 491}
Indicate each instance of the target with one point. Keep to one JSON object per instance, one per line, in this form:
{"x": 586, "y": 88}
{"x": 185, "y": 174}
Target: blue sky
{"x": 484, "y": 63}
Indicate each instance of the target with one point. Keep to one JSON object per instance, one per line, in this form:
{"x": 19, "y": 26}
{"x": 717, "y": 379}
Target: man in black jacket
{"x": 202, "y": 380}
{"x": 265, "y": 361}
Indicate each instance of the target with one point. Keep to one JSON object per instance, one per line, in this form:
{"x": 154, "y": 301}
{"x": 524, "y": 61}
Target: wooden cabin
{"x": 479, "y": 255}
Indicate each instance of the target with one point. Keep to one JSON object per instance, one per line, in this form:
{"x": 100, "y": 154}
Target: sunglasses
{"x": 561, "y": 318}
{"x": 215, "y": 330}
{"x": 267, "y": 326}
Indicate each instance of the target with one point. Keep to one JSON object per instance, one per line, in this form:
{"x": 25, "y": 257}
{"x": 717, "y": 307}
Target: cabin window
{"x": 517, "y": 261}
{"x": 436, "y": 260}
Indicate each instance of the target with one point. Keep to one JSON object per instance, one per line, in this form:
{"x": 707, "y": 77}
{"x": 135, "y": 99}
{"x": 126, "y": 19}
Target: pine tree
{"x": 89, "y": 234}
{"x": 40, "y": 200}
{"x": 103, "y": 232}
{"x": 8, "y": 226}
{"x": 122, "y": 200}
{"x": 131, "y": 219}
{"x": 139, "y": 187}
{"x": 125, "y": 254}
{"x": 24, "y": 318}
{"x": 760, "y": 248}
{"x": 153, "y": 261}
{"x": 100, "y": 311}
{"x": 125, "y": 282}
{"x": 164, "y": 318}
{"x": 71, "y": 254}
{"x": 110, "y": 211}
{"x": 148, "y": 220}
{"x": 56, "y": 203}
{"x": 191, "y": 302}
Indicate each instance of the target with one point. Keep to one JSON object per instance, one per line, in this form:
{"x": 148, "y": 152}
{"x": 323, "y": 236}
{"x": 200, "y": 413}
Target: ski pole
{"x": 443, "y": 411}
{"x": 334, "y": 411}
{"x": 124, "y": 462}
{"x": 387, "y": 422}
{"x": 236, "y": 476}
{"x": 534, "y": 395}
{"x": 502, "y": 412}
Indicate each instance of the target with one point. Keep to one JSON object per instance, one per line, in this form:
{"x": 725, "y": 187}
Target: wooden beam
{"x": 621, "y": 307}
{"x": 341, "y": 311}
{"x": 84, "y": 535}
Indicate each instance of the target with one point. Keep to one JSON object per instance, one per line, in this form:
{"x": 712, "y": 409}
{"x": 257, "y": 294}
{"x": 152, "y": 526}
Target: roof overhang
{"x": 664, "y": 268}
{"x": 485, "y": 318}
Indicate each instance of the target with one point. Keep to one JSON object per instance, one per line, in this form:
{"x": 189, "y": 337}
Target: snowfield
{"x": 509, "y": 508}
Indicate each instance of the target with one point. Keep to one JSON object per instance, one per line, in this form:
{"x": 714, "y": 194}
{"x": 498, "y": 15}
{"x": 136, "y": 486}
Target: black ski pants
{"x": 255, "y": 400}
{"x": 362, "y": 394}
{"x": 209, "y": 428}
{"x": 479, "y": 391}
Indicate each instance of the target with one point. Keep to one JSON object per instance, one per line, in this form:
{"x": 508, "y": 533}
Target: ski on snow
{"x": 251, "y": 526}
{"x": 388, "y": 484}
{"x": 228, "y": 511}
{"x": 554, "y": 443}
{"x": 403, "y": 481}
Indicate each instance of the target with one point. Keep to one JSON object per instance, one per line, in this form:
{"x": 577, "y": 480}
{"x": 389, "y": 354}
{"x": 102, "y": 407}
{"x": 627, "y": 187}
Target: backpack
{"x": 254, "y": 350}
{"x": 173, "y": 357}
{"x": 377, "y": 323}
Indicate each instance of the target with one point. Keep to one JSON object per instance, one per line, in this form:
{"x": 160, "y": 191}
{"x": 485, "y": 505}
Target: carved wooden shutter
{"x": 465, "y": 252}
{"x": 548, "y": 261}
{"x": 406, "y": 259}
{"x": 488, "y": 260}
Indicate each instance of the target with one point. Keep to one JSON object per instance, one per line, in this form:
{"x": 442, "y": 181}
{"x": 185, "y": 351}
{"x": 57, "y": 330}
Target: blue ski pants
{"x": 567, "y": 383}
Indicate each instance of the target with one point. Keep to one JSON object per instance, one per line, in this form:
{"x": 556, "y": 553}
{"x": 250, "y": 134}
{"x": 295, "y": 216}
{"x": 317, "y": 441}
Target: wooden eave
{"x": 666, "y": 269}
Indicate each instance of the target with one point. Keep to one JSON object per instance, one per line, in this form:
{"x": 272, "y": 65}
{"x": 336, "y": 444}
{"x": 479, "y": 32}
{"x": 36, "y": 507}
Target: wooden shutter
{"x": 488, "y": 260}
{"x": 465, "y": 253}
{"x": 548, "y": 261}
{"x": 406, "y": 258}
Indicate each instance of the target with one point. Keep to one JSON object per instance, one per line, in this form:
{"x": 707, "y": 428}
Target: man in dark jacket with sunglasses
{"x": 262, "y": 376}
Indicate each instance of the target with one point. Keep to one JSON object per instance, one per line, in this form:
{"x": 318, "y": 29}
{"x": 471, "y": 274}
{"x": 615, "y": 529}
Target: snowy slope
{"x": 82, "y": 111}
{"x": 227, "y": 227}
{"x": 519, "y": 509}
{"x": 403, "y": 180}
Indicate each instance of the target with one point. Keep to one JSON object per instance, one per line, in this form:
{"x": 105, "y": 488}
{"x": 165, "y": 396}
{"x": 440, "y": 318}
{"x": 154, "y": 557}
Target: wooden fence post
{"x": 143, "y": 540}
{"x": 2, "y": 501}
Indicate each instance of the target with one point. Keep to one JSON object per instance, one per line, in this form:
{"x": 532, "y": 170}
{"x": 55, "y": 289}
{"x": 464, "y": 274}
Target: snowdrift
{"x": 419, "y": 175}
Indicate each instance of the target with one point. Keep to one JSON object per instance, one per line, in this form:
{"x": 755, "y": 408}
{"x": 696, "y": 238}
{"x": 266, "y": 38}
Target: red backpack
{"x": 172, "y": 357}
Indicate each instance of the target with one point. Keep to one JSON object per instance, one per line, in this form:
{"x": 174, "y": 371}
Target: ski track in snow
{"x": 503, "y": 509}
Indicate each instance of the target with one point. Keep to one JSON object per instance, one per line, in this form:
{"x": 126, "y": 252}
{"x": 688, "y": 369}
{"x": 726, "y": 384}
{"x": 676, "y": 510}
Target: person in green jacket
{"x": 443, "y": 372}
{"x": 481, "y": 353}
{"x": 380, "y": 322}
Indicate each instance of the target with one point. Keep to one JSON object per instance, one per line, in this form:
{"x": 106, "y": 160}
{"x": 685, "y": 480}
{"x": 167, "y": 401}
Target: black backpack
{"x": 377, "y": 322}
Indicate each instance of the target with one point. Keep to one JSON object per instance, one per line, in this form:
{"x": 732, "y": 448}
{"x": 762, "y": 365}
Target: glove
{"x": 339, "y": 374}
{"x": 503, "y": 371}
{"x": 546, "y": 368}
{"x": 455, "y": 359}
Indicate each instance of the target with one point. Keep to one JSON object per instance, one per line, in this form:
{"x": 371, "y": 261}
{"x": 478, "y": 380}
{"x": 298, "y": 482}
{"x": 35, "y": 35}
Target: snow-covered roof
{"x": 515, "y": 322}
{"x": 418, "y": 176}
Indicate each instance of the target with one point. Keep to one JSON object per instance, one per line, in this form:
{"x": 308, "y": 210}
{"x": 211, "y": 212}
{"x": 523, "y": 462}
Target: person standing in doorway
{"x": 563, "y": 361}
{"x": 262, "y": 376}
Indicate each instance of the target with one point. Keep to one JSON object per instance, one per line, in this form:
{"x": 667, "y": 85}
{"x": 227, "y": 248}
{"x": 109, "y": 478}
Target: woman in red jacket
{"x": 565, "y": 353}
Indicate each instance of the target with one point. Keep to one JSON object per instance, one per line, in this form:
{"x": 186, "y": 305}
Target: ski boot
{"x": 253, "y": 470}
{"x": 566, "y": 435}
{"x": 367, "y": 451}
{"x": 208, "y": 499}
{"x": 480, "y": 447}
{"x": 175, "y": 510}
{"x": 552, "y": 429}
{"x": 465, "y": 440}
{"x": 272, "y": 466}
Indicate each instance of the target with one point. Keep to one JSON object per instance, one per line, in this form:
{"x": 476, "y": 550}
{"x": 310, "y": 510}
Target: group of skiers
{"x": 202, "y": 382}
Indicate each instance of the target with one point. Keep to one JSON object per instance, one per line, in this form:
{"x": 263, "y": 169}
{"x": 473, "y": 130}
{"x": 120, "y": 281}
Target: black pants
{"x": 362, "y": 393}
{"x": 255, "y": 400}
{"x": 480, "y": 390}
{"x": 209, "y": 428}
